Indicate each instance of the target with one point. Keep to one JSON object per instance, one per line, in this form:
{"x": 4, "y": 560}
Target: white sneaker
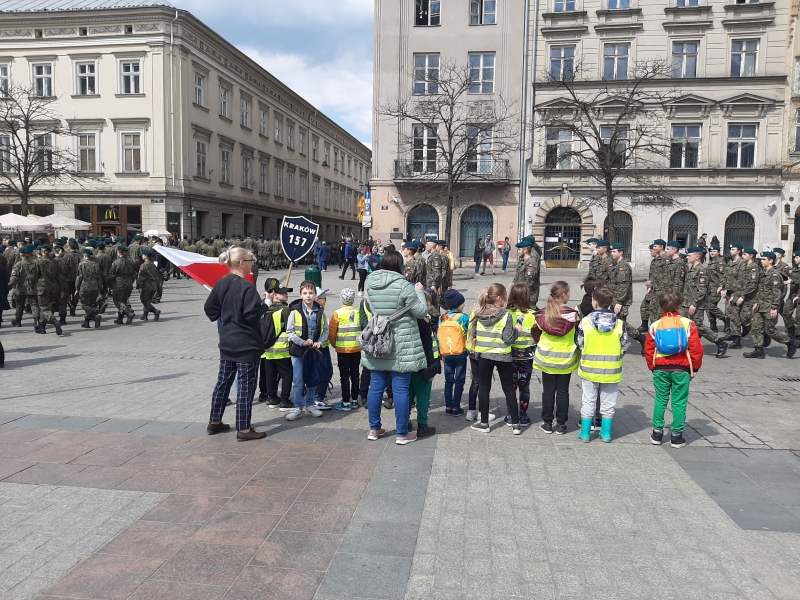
{"x": 313, "y": 411}
{"x": 294, "y": 414}
{"x": 492, "y": 417}
{"x": 360, "y": 294}
{"x": 472, "y": 415}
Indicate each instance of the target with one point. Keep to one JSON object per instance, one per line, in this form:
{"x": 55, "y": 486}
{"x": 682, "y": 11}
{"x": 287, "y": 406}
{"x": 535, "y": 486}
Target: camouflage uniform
{"x": 786, "y": 309}
{"x": 434, "y": 275}
{"x": 605, "y": 269}
{"x": 135, "y": 253}
{"x": 621, "y": 285}
{"x": 696, "y": 290}
{"x": 122, "y": 276}
{"x": 675, "y": 274}
{"x": 527, "y": 274}
{"x": 104, "y": 261}
{"x": 732, "y": 285}
{"x": 44, "y": 279}
{"x": 25, "y": 295}
{"x": 183, "y": 245}
{"x": 73, "y": 258}
{"x": 88, "y": 282}
{"x": 768, "y": 298}
{"x": 148, "y": 285}
{"x": 794, "y": 292}
{"x": 594, "y": 265}
{"x": 67, "y": 287}
{"x": 749, "y": 280}
{"x": 716, "y": 277}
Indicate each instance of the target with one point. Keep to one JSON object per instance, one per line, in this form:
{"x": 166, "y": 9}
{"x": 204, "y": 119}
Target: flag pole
{"x": 289, "y": 274}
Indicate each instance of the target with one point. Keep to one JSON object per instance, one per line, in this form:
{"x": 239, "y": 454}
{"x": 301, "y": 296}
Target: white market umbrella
{"x": 158, "y": 232}
{"x": 64, "y": 222}
{"x": 15, "y": 222}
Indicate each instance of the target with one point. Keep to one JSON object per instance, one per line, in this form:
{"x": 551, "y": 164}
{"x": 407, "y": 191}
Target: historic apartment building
{"x": 414, "y": 39}
{"x": 176, "y": 129}
{"x": 727, "y": 124}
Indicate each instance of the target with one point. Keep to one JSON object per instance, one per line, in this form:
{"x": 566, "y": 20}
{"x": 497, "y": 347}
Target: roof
{"x": 65, "y": 5}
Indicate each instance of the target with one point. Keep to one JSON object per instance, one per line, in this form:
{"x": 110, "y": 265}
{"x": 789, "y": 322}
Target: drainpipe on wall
{"x": 526, "y": 72}
{"x": 172, "y": 92}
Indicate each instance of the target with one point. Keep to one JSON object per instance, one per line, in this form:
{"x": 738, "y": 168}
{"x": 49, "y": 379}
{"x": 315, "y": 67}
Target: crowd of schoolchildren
{"x": 500, "y": 333}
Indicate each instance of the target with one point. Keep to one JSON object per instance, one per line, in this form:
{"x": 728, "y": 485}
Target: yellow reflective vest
{"x": 601, "y": 360}
{"x": 489, "y": 340}
{"x": 280, "y": 349}
{"x": 349, "y": 326}
{"x": 555, "y": 354}
{"x": 527, "y": 320}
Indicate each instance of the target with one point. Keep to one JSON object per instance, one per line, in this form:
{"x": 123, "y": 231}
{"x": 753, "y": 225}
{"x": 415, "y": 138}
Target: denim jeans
{"x": 300, "y": 400}
{"x": 478, "y": 264}
{"x": 455, "y": 375}
{"x": 400, "y": 383}
{"x": 505, "y": 260}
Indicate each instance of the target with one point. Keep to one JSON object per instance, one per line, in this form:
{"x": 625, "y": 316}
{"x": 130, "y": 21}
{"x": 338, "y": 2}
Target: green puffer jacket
{"x": 389, "y": 292}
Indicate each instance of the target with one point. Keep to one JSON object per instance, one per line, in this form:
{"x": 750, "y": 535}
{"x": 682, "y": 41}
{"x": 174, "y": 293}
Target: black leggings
{"x": 506, "y": 372}
{"x": 362, "y": 277}
{"x": 555, "y": 393}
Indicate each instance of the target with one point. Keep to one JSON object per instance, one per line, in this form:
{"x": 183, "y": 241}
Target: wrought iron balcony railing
{"x": 429, "y": 170}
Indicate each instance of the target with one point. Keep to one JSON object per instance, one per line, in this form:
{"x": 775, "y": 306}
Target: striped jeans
{"x": 248, "y": 380}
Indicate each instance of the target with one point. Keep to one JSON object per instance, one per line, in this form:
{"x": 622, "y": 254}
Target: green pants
{"x": 644, "y": 308}
{"x": 671, "y": 386}
{"x": 420, "y": 389}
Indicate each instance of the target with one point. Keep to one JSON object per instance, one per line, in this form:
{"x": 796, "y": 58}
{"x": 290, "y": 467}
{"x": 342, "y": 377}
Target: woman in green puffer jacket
{"x": 388, "y": 292}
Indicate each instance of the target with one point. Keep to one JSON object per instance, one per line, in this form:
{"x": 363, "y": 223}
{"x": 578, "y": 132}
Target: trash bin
{"x": 314, "y": 274}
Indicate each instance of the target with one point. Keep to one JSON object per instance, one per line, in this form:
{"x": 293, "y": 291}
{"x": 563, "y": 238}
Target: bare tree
{"x": 32, "y": 165}
{"x": 612, "y": 131}
{"x": 449, "y": 141}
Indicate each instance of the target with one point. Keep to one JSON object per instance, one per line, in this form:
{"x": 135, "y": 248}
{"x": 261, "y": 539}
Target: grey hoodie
{"x": 489, "y": 316}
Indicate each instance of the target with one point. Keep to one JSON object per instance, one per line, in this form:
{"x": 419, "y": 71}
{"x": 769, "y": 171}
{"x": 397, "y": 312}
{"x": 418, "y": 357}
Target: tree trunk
{"x": 448, "y": 219}
{"x": 23, "y": 199}
{"x": 610, "y": 210}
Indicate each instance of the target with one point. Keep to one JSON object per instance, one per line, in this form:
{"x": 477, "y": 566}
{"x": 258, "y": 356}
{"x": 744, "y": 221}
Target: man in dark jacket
{"x": 349, "y": 259}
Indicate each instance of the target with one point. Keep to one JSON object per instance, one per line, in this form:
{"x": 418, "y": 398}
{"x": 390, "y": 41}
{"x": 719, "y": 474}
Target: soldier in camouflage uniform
{"x": 88, "y": 282}
{"x": 765, "y": 310}
{"x": 786, "y": 309}
{"x": 697, "y": 288}
{"x": 794, "y": 287}
{"x": 44, "y": 279}
{"x": 135, "y": 251}
{"x": 730, "y": 293}
{"x": 434, "y": 274}
{"x": 621, "y": 285}
{"x": 447, "y": 274}
{"x": 64, "y": 273}
{"x": 675, "y": 268}
{"x": 748, "y": 277}
{"x": 123, "y": 274}
{"x": 594, "y": 262}
{"x": 104, "y": 259}
{"x": 605, "y": 264}
{"x": 147, "y": 279}
{"x": 19, "y": 283}
{"x": 527, "y": 273}
{"x": 716, "y": 275}
{"x": 183, "y": 244}
{"x": 656, "y": 282}
{"x": 409, "y": 267}
{"x": 72, "y": 258}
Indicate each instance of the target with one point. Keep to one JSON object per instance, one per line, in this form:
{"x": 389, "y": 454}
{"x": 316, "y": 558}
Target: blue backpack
{"x": 670, "y": 336}
{"x": 317, "y": 368}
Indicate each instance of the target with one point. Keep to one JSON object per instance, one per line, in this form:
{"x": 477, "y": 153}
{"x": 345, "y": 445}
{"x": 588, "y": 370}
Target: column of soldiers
{"x": 431, "y": 268}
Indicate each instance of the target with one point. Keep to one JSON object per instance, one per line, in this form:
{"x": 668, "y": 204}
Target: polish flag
{"x": 205, "y": 270}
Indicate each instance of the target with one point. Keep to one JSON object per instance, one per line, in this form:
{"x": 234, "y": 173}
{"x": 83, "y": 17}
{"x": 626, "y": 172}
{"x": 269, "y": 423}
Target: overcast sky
{"x": 322, "y": 49}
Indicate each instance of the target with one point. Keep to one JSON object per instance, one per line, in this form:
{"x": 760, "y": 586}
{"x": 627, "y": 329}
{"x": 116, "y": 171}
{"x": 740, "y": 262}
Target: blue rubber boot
{"x": 585, "y": 433}
{"x": 605, "y": 430}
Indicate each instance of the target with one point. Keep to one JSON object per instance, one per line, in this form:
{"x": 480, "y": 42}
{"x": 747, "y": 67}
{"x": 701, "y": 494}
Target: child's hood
{"x": 567, "y": 322}
{"x": 490, "y": 315}
{"x": 603, "y": 320}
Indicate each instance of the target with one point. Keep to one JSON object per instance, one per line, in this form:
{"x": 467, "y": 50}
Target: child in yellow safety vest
{"x": 522, "y": 349}
{"x": 343, "y": 331}
{"x": 602, "y": 341}
{"x": 276, "y": 364}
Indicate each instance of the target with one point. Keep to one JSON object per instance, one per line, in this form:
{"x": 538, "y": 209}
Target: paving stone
{"x": 349, "y": 573}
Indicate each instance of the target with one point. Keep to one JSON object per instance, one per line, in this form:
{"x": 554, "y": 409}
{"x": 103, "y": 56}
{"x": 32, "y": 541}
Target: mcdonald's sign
{"x": 111, "y": 214}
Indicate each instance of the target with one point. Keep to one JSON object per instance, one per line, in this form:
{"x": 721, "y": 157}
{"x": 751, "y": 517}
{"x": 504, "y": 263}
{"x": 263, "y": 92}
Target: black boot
{"x": 767, "y": 341}
{"x": 57, "y": 326}
{"x": 97, "y": 321}
{"x": 641, "y": 338}
{"x": 156, "y": 313}
{"x": 85, "y": 323}
{"x": 144, "y": 316}
{"x": 713, "y": 323}
{"x": 16, "y": 322}
{"x": 71, "y": 311}
{"x": 758, "y": 352}
{"x": 722, "y": 348}
{"x": 103, "y": 306}
{"x": 118, "y": 320}
{"x": 643, "y": 326}
{"x": 62, "y": 320}
{"x": 130, "y": 315}
{"x": 792, "y": 331}
{"x": 737, "y": 342}
{"x": 36, "y": 325}
{"x": 42, "y": 327}
{"x": 791, "y": 348}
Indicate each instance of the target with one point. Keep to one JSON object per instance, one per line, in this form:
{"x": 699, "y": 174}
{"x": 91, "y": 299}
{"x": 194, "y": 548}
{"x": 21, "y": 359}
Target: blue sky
{"x": 322, "y": 49}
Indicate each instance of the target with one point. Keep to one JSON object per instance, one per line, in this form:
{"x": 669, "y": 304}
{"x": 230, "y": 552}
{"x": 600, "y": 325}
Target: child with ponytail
{"x": 522, "y": 349}
{"x": 556, "y": 355}
{"x": 490, "y": 335}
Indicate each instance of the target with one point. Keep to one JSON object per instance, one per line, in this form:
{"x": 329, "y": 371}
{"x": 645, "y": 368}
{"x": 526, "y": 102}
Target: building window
{"x": 479, "y": 149}
{"x": 335, "y": 159}
{"x": 349, "y": 166}
{"x": 424, "y": 149}
{"x": 43, "y": 80}
{"x": 316, "y": 192}
{"x": 87, "y": 152}
{"x": 3, "y": 81}
{"x": 615, "y": 61}
{"x": 264, "y": 183}
{"x": 682, "y": 3}
{"x": 336, "y": 198}
{"x": 303, "y": 189}
{"x": 278, "y": 130}
{"x": 201, "y": 149}
{"x": 246, "y": 163}
{"x": 315, "y": 149}
{"x": 132, "y": 152}
{"x": 564, "y": 6}
{"x": 225, "y": 166}
{"x": 744, "y": 58}
{"x": 428, "y": 13}
{"x": 246, "y": 107}
{"x": 747, "y": 1}
{"x": 741, "y": 146}
{"x": 87, "y": 79}
{"x": 684, "y": 59}
{"x": 797, "y": 132}
{"x": 615, "y": 143}
{"x": 290, "y": 136}
{"x": 225, "y": 102}
{"x": 262, "y": 122}
{"x": 685, "y": 147}
{"x": 44, "y": 153}
{"x": 426, "y": 73}
{"x": 327, "y": 196}
{"x": 5, "y": 153}
{"x": 199, "y": 89}
{"x": 327, "y": 160}
{"x": 290, "y": 185}
{"x": 279, "y": 181}
{"x": 558, "y": 146}
{"x": 481, "y": 73}
{"x": 614, "y": 4}
{"x": 302, "y": 142}
{"x": 562, "y": 63}
{"x": 482, "y": 12}
{"x": 130, "y": 77}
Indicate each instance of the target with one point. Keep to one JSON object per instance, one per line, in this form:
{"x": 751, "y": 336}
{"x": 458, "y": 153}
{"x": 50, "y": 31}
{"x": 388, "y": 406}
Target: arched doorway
{"x": 683, "y": 228}
{"x": 740, "y": 228}
{"x": 623, "y": 231}
{"x": 476, "y": 222}
{"x": 422, "y": 222}
{"x": 562, "y": 238}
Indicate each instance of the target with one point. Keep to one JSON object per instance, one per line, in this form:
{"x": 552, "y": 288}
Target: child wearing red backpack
{"x": 672, "y": 372}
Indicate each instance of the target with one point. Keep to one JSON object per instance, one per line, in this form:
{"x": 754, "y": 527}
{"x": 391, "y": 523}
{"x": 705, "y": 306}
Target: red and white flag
{"x": 205, "y": 270}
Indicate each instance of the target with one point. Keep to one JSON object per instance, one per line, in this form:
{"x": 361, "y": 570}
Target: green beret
{"x": 441, "y": 242}
{"x": 121, "y": 249}
{"x": 26, "y": 249}
{"x": 46, "y": 247}
{"x": 781, "y": 250}
{"x": 694, "y": 249}
{"x": 147, "y": 252}
{"x": 650, "y": 246}
{"x": 768, "y": 254}
{"x": 739, "y": 246}
{"x": 524, "y": 244}
{"x": 71, "y": 241}
{"x": 797, "y": 253}
{"x": 618, "y": 246}
{"x": 121, "y": 240}
{"x": 101, "y": 245}
{"x": 137, "y": 238}
{"x": 659, "y": 242}
{"x": 64, "y": 238}
{"x": 752, "y": 251}
{"x": 91, "y": 243}
{"x": 530, "y": 238}
{"x": 673, "y": 244}
{"x": 714, "y": 248}
{"x": 87, "y": 251}
{"x": 12, "y": 242}
{"x": 601, "y": 243}
{"x": 37, "y": 242}
{"x": 591, "y": 241}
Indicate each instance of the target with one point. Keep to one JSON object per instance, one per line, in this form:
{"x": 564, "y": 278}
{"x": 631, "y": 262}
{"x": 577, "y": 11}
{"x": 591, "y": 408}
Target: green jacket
{"x": 389, "y": 292}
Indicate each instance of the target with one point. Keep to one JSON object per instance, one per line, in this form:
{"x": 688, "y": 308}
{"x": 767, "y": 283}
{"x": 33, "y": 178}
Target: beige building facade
{"x": 175, "y": 129}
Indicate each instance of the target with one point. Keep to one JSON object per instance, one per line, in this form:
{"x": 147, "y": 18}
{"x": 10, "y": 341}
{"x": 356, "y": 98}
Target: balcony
{"x": 489, "y": 170}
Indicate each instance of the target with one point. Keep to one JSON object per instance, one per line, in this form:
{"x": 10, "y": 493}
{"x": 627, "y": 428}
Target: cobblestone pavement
{"x": 98, "y": 427}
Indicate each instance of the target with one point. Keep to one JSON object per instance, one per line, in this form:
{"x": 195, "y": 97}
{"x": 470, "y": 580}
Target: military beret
{"x": 71, "y": 240}
{"x": 37, "y": 242}
{"x": 739, "y": 246}
{"x": 59, "y": 244}
{"x": 441, "y": 243}
{"x": 46, "y": 247}
{"x": 10, "y": 242}
{"x": 524, "y": 244}
{"x": 63, "y": 238}
{"x": 673, "y": 244}
{"x": 650, "y": 246}
{"x": 618, "y": 246}
{"x": 147, "y": 251}
{"x": 26, "y": 249}
{"x": 87, "y": 251}
{"x": 694, "y": 249}
{"x": 530, "y": 238}
{"x": 659, "y": 242}
{"x": 121, "y": 240}
{"x": 81, "y": 239}
{"x": 781, "y": 250}
{"x": 92, "y": 243}
{"x": 101, "y": 245}
{"x": 121, "y": 249}
{"x": 768, "y": 254}
{"x": 137, "y": 238}
{"x": 797, "y": 253}
{"x": 752, "y": 251}
{"x": 714, "y": 248}
{"x": 591, "y": 241}
{"x": 601, "y": 243}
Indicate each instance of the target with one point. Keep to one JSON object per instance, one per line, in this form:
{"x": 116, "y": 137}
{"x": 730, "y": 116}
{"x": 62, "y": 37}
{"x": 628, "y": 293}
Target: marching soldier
{"x": 44, "y": 280}
{"x": 72, "y": 258}
{"x": 122, "y": 276}
{"x": 675, "y": 268}
{"x": 749, "y": 279}
{"x": 594, "y": 262}
{"x": 147, "y": 280}
{"x": 605, "y": 264}
{"x": 434, "y": 272}
{"x": 765, "y": 309}
{"x": 730, "y": 293}
{"x": 657, "y": 281}
{"x": 786, "y": 309}
{"x": 18, "y": 281}
{"x": 88, "y": 283}
{"x": 696, "y": 290}
{"x": 794, "y": 288}
{"x": 135, "y": 251}
{"x": 716, "y": 277}
{"x": 104, "y": 261}
{"x": 621, "y": 285}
